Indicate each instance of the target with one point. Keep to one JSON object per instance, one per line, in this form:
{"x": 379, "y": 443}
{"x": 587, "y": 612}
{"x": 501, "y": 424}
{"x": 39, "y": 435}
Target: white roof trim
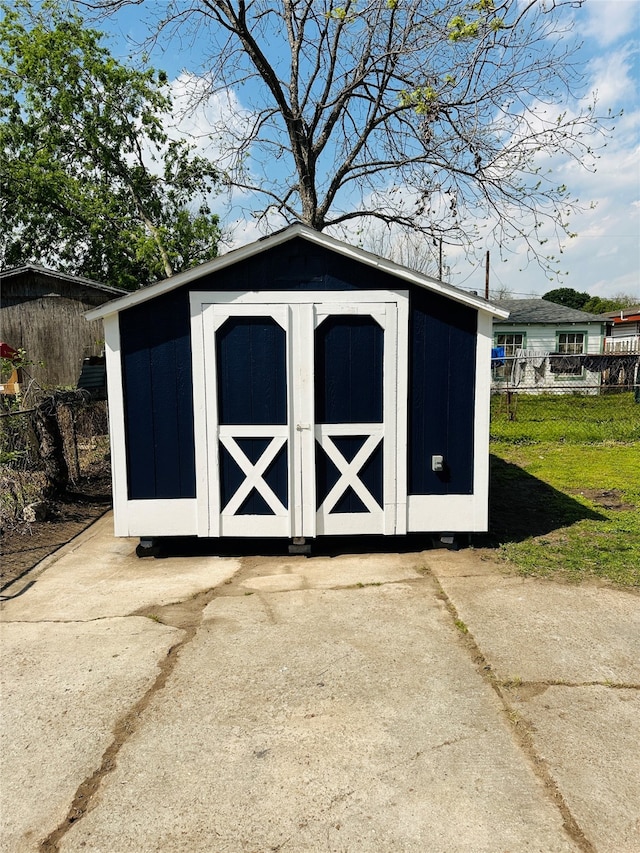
{"x": 299, "y": 230}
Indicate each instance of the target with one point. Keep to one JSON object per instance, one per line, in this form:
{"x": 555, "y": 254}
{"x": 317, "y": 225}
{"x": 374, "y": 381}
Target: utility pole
{"x": 486, "y": 277}
{"x": 440, "y": 259}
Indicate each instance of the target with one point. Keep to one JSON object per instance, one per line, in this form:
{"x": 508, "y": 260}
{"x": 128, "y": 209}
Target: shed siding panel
{"x": 442, "y": 395}
{"x": 158, "y": 394}
{"x": 297, "y": 266}
{"x": 184, "y": 413}
{"x": 138, "y": 407}
{"x": 545, "y": 337}
{"x": 156, "y": 353}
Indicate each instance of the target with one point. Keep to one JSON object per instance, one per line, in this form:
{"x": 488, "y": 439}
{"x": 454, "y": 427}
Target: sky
{"x": 603, "y": 259}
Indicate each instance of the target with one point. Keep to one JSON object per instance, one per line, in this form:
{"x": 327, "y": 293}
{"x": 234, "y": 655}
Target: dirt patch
{"x": 606, "y": 498}
{"x": 23, "y": 547}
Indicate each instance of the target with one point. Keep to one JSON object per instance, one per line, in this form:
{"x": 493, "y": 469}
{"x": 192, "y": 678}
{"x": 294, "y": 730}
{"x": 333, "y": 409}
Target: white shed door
{"x": 296, "y": 431}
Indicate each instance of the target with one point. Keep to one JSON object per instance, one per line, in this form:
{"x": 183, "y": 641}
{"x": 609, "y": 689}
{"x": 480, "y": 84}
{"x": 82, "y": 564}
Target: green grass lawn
{"x": 565, "y": 487}
{"x": 567, "y": 418}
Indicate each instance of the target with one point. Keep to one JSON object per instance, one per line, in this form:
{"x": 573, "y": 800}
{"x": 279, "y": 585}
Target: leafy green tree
{"x": 90, "y": 181}
{"x": 597, "y": 305}
{"x": 568, "y": 297}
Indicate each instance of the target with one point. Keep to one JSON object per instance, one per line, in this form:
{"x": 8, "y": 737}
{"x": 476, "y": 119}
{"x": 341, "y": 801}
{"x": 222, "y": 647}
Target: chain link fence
{"x": 536, "y": 397}
{"x": 546, "y": 397}
{"x": 81, "y": 437}
{"x": 540, "y": 372}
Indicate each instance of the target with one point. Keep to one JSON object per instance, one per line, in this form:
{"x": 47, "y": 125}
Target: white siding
{"x": 543, "y": 338}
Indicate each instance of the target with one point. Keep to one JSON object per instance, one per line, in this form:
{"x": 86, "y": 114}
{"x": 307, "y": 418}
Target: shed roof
{"x": 43, "y": 272}
{"x": 542, "y": 311}
{"x": 306, "y": 233}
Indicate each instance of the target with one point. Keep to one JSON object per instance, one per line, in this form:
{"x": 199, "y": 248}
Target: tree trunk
{"x": 47, "y": 429}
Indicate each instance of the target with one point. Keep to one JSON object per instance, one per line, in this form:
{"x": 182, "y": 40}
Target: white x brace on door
{"x": 300, "y": 412}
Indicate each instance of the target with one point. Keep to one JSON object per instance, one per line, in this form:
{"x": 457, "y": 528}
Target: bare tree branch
{"x": 459, "y": 103}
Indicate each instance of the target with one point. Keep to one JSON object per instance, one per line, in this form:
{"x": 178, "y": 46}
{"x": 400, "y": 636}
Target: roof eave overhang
{"x": 510, "y": 321}
{"x": 621, "y": 321}
{"x": 251, "y": 249}
{"x": 16, "y": 272}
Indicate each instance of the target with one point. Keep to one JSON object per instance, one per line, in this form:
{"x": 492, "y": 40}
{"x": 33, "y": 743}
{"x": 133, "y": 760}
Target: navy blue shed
{"x": 299, "y": 387}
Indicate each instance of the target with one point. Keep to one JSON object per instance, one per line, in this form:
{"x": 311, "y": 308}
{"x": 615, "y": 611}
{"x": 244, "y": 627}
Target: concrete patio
{"x": 380, "y": 702}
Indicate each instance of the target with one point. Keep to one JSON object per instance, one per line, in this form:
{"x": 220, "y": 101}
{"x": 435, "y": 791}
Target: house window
{"x": 570, "y": 344}
{"x": 509, "y": 342}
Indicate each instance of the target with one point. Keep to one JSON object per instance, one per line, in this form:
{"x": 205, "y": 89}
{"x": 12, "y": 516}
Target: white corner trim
{"x": 115, "y": 397}
{"x": 482, "y": 419}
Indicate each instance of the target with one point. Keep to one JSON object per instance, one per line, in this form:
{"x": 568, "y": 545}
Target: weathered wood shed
{"x": 43, "y": 312}
{"x": 299, "y": 387}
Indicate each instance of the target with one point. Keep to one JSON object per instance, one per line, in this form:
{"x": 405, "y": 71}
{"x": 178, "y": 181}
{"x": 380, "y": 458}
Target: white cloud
{"x": 604, "y": 259}
{"x": 608, "y": 21}
{"x": 207, "y": 116}
{"x": 611, "y": 76}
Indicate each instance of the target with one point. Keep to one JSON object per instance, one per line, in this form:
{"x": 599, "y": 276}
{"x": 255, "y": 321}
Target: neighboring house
{"x": 539, "y": 345}
{"x": 298, "y": 387}
{"x": 623, "y": 331}
{"x": 42, "y": 312}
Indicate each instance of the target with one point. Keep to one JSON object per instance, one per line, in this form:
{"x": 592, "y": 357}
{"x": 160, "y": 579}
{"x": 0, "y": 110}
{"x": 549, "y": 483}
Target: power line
{"x": 511, "y": 292}
{"x": 477, "y": 288}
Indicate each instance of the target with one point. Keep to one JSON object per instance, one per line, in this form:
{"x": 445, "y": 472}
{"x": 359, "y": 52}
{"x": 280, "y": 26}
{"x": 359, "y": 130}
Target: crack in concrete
{"x": 186, "y": 616}
{"x": 268, "y": 609}
{"x": 524, "y": 690}
{"x": 404, "y": 762}
{"x": 68, "y": 621}
{"x": 522, "y": 732}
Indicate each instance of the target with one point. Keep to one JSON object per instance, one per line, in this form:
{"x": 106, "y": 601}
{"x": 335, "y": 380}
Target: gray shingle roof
{"x": 541, "y": 311}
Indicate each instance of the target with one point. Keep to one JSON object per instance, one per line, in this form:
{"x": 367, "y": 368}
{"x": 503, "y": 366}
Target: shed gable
{"x": 298, "y": 265}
